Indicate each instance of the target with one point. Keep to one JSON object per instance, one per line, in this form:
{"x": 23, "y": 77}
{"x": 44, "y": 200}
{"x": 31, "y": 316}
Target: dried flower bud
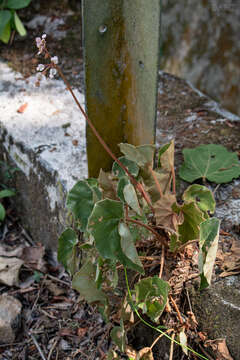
{"x": 54, "y": 59}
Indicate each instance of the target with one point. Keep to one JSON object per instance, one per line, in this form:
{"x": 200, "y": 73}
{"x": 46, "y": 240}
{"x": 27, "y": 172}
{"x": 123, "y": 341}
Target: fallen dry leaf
{"x": 220, "y": 348}
{"x": 164, "y": 213}
{"x": 66, "y": 332}
{"x": 9, "y": 270}
{"x": 22, "y": 108}
{"x": 81, "y": 331}
{"x": 231, "y": 261}
{"x": 33, "y": 257}
{"x": 145, "y": 354}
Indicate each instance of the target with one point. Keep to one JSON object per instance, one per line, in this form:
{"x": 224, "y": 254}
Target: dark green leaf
{"x": 19, "y": 25}
{"x": 211, "y": 162}
{"x": 17, "y": 4}
{"x": 202, "y": 196}
{"x": 2, "y": 212}
{"x": 129, "y": 249}
{"x": 151, "y": 296}
{"x": 7, "y": 193}
{"x": 5, "y": 25}
{"x": 80, "y": 201}
{"x": 103, "y": 225}
{"x": 129, "y": 164}
{"x": 142, "y": 155}
{"x": 66, "y": 244}
{"x": 209, "y": 235}
{"x": 84, "y": 282}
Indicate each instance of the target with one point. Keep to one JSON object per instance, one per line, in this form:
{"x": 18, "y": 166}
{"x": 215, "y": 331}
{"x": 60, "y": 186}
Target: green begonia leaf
{"x": 84, "y": 282}
{"x": 2, "y": 212}
{"x": 151, "y": 296}
{"x": 211, "y": 162}
{"x": 129, "y": 249}
{"x": 202, "y": 196}
{"x": 209, "y": 235}
{"x": 19, "y": 25}
{"x": 17, "y": 4}
{"x": 142, "y": 155}
{"x": 66, "y": 253}
{"x": 103, "y": 225}
{"x": 80, "y": 201}
{"x": 129, "y": 164}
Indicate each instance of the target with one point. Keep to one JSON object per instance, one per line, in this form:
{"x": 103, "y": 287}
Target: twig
{"x": 173, "y": 180}
{"x": 216, "y": 188}
{"x": 189, "y": 302}
{"x": 176, "y": 308}
{"x": 171, "y": 347}
{"x": 58, "y": 280}
{"x": 38, "y": 294}
{"x": 37, "y": 346}
{"x": 162, "y": 262}
{"x": 156, "y": 181}
{"x": 159, "y": 337}
{"x": 52, "y": 348}
{"x": 162, "y": 240}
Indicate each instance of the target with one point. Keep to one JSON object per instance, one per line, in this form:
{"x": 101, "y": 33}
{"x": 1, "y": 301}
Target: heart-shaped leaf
{"x": 17, "y": 4}
{"x": 211, "y": 162}
{"x": 151, "y": 296}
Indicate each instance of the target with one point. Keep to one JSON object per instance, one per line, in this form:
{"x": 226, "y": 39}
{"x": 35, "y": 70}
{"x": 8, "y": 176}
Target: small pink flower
{"x": 52, "y": 73}
{"x": 41, "y": 44}
{"x": 40, "y": 67}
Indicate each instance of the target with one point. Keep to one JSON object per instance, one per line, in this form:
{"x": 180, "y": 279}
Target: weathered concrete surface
{"x": 10, "y": 318}
{"x": 51, "y": 157}
{"x": 218, "y": 312}
{"x": 201, "y": 44}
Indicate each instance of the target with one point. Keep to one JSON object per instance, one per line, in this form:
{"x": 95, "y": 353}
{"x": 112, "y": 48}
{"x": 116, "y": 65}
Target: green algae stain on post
{"x": 121, "y": 47}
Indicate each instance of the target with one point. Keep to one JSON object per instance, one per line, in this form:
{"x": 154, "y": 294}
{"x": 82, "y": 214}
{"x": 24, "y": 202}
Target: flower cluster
{"x": 42, "y": 47}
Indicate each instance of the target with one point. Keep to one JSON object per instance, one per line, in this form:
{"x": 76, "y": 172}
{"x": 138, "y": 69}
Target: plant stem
{"x": 162, "y": 240}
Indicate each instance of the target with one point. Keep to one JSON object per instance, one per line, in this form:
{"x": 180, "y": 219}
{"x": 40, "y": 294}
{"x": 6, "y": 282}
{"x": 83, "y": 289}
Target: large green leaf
{"x": 2, "y": 212}
{"x": 80, "y": 201}
{"x": 17, "y": 4}
{"x": 202, "y": 196}
{"x": 209, "y": 235}
{"x": 7, "y": 193}
{"x": 151, "y": 296}
{"x": 129, "y": 164}
{"x": 83, "y": 281}
{"x": 19, "y": 25}
{"x": 66, "y": 253}
{"x": 103, "y": 225}
{"x": 142, "y": 155}
{"x": 128, "y": 248}
{"x": 212, "y": 162}
{"x": 6, "y": 33}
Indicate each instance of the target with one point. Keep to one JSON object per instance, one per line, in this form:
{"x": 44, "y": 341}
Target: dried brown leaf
{"x": 165, "y": 216}
{"x": 220, "y": 348}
